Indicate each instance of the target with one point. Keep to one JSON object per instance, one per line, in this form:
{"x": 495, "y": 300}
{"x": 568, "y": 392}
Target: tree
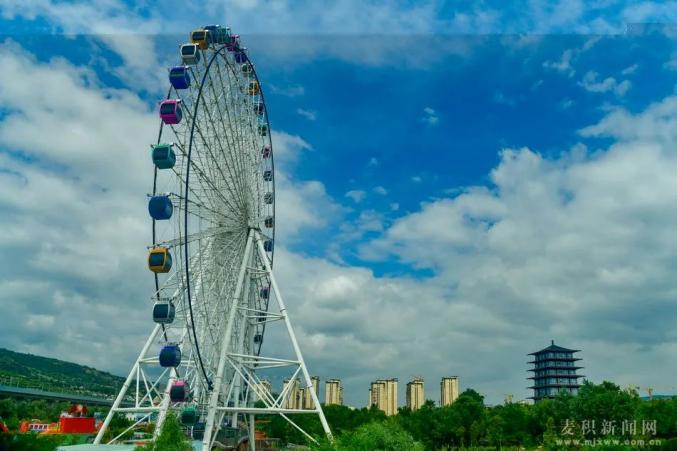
{"x": 376, "y": 436}
{"x": 171, "y": 438}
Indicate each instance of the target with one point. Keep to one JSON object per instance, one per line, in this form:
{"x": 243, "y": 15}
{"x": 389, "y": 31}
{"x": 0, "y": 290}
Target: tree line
{"x": 601, "y": 416}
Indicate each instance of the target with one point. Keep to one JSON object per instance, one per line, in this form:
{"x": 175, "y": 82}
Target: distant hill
{"x": 28, "y": 370}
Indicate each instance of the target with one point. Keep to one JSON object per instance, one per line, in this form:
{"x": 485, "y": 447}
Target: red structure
{"x": 77, "y": 425}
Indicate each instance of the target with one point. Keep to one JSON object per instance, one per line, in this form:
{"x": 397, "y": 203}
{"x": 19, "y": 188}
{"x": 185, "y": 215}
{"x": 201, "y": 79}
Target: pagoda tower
{"x": 554, "y": 371}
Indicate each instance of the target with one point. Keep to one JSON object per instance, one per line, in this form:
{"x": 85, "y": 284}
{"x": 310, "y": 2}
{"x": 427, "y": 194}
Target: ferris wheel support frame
{"x": 255, "y": 238}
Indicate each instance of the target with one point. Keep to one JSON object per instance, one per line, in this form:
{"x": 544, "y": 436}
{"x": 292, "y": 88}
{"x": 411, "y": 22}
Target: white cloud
{"x": 356, "y": 195}
{"x": 308, "y": 114}
{"x": 578, "y": 248}
{"x": 416, "y": 179}
{"x": 380, "y": 190}
{"x": 430, "y": 117}
{"x": 590, "y": 83}
{"x": 288, "y": 91}
{"x": 288, "y": 148}
{"x": 373, "y": 162}
{"x": 564, "y": 63}
{"x": 630, "y": 70}
{"x": 108, "y": 21}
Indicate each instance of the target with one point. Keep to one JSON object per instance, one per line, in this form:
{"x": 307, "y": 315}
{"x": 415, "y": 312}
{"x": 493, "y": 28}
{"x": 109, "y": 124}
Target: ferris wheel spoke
{"x": 236, "y": 150}
{"x": 222, "y": 121}
{"x": 223, "y": 176}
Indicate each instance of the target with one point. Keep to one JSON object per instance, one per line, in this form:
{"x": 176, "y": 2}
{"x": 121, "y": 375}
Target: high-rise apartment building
{"x": 333, "y": 392}
{"x": 415, "y": 394}
{"x": 448, "y": 390}
{"x": 383, "y": 395}
{"x": 307, "y": 397}
{"x": 259, "y": 388}
{"x": 293, "y": 399}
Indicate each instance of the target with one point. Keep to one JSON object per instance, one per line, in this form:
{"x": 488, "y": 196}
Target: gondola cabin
{"x": 254, "y": 89}
{"x": 170, "y": 356}
{"x": 189, "y": 416}
{"x": 190, "y": 54}
{"x": 264, "y": 293}
{"x": 269, "y": 222}
{"x": 268, "y": 198}
{"x": 259, "y": 108}
{"x": 233, "y": 43}
{"x": 268, "y": 245}
{"x": 260, "y": 317}
{"x": 179, "y": 391}
{"x": 263, "y": 129}
{"x": 179, "y": 77}
{"x": 258, "y": 338}
{"x": 200, "y": 38}
{"x": 216, "y": 34}
{"x": 247, "y": 69}
{"x": 265, "y": 152}
{"x": 160, "y": 208}
{"x": 159, "y": 260}
{"x": 240, "y": 57}
{"x": 164, "y": 312}
{"x": 163, "y": 156}
{"x": 170, "y": 111}
{"x": 268, "y": 176}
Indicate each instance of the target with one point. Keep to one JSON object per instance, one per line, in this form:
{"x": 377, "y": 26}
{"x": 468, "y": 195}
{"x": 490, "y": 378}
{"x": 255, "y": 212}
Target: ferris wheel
{"x": 212, "y": 209}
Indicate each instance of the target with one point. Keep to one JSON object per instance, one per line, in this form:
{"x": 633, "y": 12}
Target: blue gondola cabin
{"x": 268, "y": 198}
{"x": 265, "y": 152}
{"x": 258, "y": 338}
{"x": 164, "y": 312}
{"x": 264, "y": 293}
{"x": 170, "y": 356}
{"x": 247, "y": 69}
{"x": 269, "y": 222}
{"x": 259, "y": 108}
{"x": 159, "y": 260}
{"x": 163, "y": 156}
{"x": 179, "y": 77}
{"x": 241, "y": 57}
{"x": 190, "y": 54}
{"x": 263, "y": 130}
{"x": 170, "y": 111}
{"x": 268, "y": 245}
{"x": 160, "y": 208}
{"x": 268, "y": 176}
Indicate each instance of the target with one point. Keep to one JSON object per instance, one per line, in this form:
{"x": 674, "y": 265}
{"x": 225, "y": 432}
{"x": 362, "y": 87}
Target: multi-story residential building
{"x": 383, "y": 394}
{"x": 333, "y": 392}
{"x": 448, "y": 390}
{"x": 415, "y": 394}
{"x": 293, "y": 399}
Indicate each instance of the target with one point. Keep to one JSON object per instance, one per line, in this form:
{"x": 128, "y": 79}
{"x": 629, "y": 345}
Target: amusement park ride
{"x": 213, "y": 228}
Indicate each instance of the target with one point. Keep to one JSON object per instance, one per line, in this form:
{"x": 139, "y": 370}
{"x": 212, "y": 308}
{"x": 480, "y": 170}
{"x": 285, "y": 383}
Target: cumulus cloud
{"x": 430, "y": 116}
{"x": 380, "y": 190}
{"x": 308, "y": 114}
{"x": 591, "y": 83}
{"x": 356, "y": 195}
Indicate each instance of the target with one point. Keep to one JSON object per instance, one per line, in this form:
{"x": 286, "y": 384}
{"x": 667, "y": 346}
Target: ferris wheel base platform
{"x": 196, "y": 446}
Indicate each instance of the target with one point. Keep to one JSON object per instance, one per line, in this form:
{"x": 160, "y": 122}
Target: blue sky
{"x": 458, "y": 184}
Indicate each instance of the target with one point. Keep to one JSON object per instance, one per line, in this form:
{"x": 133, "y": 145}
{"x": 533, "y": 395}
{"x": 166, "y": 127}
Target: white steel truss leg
{"x": 225, "y": 343}
{"x": 292, "y": 336}
{"x": 125, "y": 386}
